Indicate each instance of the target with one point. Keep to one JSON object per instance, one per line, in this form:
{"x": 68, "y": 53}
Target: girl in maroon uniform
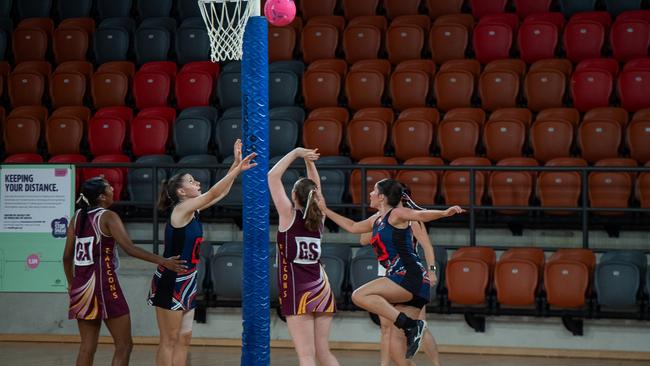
{"x": 306, "y": 298}
{"x": 89, "y": 263}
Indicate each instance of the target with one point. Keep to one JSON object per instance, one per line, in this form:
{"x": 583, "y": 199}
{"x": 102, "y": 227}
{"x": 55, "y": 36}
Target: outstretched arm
{"x": 112, "y": 225}
{"x": 404, "y": 214}
{"x": 312, "y": 172}
{"x": 420, "y": 233}
{"x": 346, "y": 224}
{"x": 238, "y": 158}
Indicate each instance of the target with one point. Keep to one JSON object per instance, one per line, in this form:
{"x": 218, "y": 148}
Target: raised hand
{"x": 246, "y": 163}
{"x": 307, "y": 154}
{"x": 453, "y": 210}
{"x": 175, "y": 264}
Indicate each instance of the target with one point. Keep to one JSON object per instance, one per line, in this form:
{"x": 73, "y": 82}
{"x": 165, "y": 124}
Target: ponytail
{"x": 168, "y": 196}
{"x": 305, "y": 193}
{"x": 407, "y": 201}
{"x": 90, "y": 191}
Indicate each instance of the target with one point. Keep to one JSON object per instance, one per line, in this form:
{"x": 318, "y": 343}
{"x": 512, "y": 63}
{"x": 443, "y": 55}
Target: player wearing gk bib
{"x": 406, "y": 283}
{"x": 306, "y": 298}
{"x": 90, "y": 265}
{"x": 173, "y": 294}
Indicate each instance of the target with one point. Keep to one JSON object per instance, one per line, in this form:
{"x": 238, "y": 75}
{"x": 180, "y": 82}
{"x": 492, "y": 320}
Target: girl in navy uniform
{"x": 90, "y": 265}
{"x": 306, "y": 298}
{"x": 406, "y": 280}
{"x": 174, "y": 294}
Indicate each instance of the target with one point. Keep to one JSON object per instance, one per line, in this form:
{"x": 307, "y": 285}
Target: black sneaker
{"x": 414, "y": 338}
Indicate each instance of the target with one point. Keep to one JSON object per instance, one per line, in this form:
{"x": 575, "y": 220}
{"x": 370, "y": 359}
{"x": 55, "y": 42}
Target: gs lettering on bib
{"x": 83, "y": 251}
{"x": 307, "y": 250}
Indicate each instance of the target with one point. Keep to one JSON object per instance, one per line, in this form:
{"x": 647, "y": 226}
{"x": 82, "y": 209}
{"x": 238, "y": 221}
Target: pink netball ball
{"x": 280, "y": 12}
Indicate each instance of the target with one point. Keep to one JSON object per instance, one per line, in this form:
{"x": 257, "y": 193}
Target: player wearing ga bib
{"x": 303, "y": 284}
{"x": 95, "y": 292}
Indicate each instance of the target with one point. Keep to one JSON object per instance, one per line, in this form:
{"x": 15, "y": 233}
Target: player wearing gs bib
{"x": 177, "y": 291}
{"x": 304, "y": 287}
{"x": 95, "y": 290}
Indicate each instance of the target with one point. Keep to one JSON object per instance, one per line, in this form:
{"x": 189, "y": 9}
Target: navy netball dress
{"x": 395, "y": 251}
{"x": 177, "y": 291}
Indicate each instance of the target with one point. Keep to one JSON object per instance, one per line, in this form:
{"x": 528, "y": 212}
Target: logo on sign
{"x": 59, "y": 227}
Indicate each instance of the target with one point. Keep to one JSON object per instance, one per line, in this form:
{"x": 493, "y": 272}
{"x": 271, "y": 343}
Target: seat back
{"x": 364, "y": 88}
{"x": 109, "y": 89}
{"x": 404, "y": 42}
{"x": 599, "y": 139}
{"x": 192, "y": 135}
{"x": 141, "y": 180}
{"x": 321, "y": 88}
{"x": 325, "y": 134}
{"x": 366, "y": 137}
{"x": 409, "y": 88}
{"x": 566, "y": 283}
{"x": 106, "y": 135}
{"x": 457, "y": 138}
{"x": 551, "y": 139}
{"x": 63, "y": 135}
{"x": 361, "y": 42}
{"x": 503, "y": 139}
{"x": 412, "y": 138}
{"x": 283, "y": 88}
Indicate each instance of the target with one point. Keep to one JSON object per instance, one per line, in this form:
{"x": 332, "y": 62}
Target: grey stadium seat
{"x": 283, "y": 136}
{"x": 33, "y": 8}
{"x": 229, "y": 89}
{"x": 226, "y": 131}
{"x": 293, "y": 113}
{"x": 203, "y": 175}
{"x": 141, "y": 180}
{"x": 110, "y": 44}
{"x": 295, "y": 66}
{"x": 74, "y": 8}
{"x": 226, "y": 272}
{"x": 151, "y": 44}
{"x": 192, "y": 135}
{"x": 113, "y": 8}
{"x": 618, "y": 278}
{"x": 333, "y": 181}
{"x": 188, "y": 9}
{"x": 192, "y": 42}
{"x": 283, "y": 88}
{"x": 154, "y": 8}
{"x": 363, "y": 267}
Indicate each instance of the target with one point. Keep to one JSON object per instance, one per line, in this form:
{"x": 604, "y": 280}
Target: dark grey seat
{"x": 113, "y": 8}
{"x": 229, "y": 89}
{"x": 33, "y": 8}
{"x": 363, "y": 267}
{"x": 110, "y": 44}
{"x": 283, "y": 136}
{"x": 333, "y": 181}
{"x": 295, "y": 66}
{"x": 141, "y": 180}
{"x": 293, "y": 113}
{"x": 441, "y": 261}
{"x": 226, "y": 272}
{"x": 163, "y": 22}
{"x": 192, "y": 135}
{"x": 618, "y": 278}
{"x": 283, "y": 88}
{"x": 5, "y": 8}
{"x": 188, "y": 8}
{"x": 192, "y": 42}
{"x": 154, "y": 8}
{"x": 151, "y": 44}
{"x": 234, "y": 197}
{"x": 74, "y": 8}
{"x": 203, "y": 277}
{"x": 226, "y": 131}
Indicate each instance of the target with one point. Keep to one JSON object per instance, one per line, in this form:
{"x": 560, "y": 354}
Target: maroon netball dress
{"x": 95, "y": 292}
{"x": 303, "y": 284}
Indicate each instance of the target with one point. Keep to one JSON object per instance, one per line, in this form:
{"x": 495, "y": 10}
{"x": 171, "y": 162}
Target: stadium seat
{"x": 294, "y": 113}
{"x": 121, "y": 112}
{"x": 395, "y": 8}
{"x": 149, "y": 135}
{"x": 630, "y": 39}
{"x": 544, "y": 88}
{"x": 637, "y": 135}
{"x": 457, "y": 138}
{"x": 192, "y": 41}
{"x": 26, "y": 88}
{"x": 560, "y": 188}
{"x": 382, "y": 113}
{"x": 566, "y": 277}
{"x": 311, "y": 9}
{"x": 319, "y": 41}
{"x": 336, "y": 20}
{"x": 570, "y": 7}
{"x": 366, "y": 137}
{"x": 334, "y": 64}
{"x": 68, "y": 159}
{"x": 154, "y": 8}
{"x": 570, "y": 115}
{"x": 504, "y": 139}
{"x": 422, "y": 183}
{"x": 283, "y": 88}
{"x": 512, "y": 188}
{"x": 321, "y": 88}
{"x": 492, "y": 40}
{"x": 113, "y": 8}
{"x": 517, "y": 276}
{"x": 187, "y": 9}
{"x": 426, "y": 113}
{"x": 63, "y": 135}
{"x": 453, "y": 89}
{"x": 525, "y": 8}
{"x": 115, "y": 176}
{"x": 537, "y": 40}
{"x": 522, "y": 115}
{"x": 141, "y": 180}
{"x": 363, "y": 267}
{"x": 599, "y": 139}
{"x": 448, "y": 40}
{"x": 70, "y": 44}
{"x": 409, "y": 88}
{"x": 616, "y": 7}
{"x": 37, "y": 112}
{"x": 356, "y": 8}
{"x": 498, "y": 88}
{"x": 468, "y": 275}
{"x": 583, "y": 39}
{"x": 151, "y": 89}
{"x": 106, "y": 135}
{"x": 210, "y": 67}
{"x": 227, "y": 264}
{"x": 591, "y": 88}
{"x": 33, "y": 8}
{"x": 111, "y": 44}
{"x": 84, "y": 67}
{"x": 632, "y": 86}
{"x": 23, "y": 158}
{"x": 282, "y": 43}
{"x": 333, "y": 181}
{"x": 364, "y": 88}
{"x": 83, "y": 113}
{"x": 324, "y": 133}
{"x": 404, "y": 42}
{"x": 481, "y": 8}
{"x": 40, "y": 67}
{"x": 227, "y": 130}
{"x": 378, "y": 21}
{"x": 642, "y": 192}
{"x": 194, "y": 88}
{"x": 109, "y": 89}
{"x": 229, "y": 89}
{"x": 619, "y": 277}
{"x": 611, "y": 189}
{"x": 151, "y": 44}
{"x": 361, "y": 42}
{"x": 283, "y": 136}
{"x": 372, "y": 176}
{"x": 425, "y": 65}
{"x": 439, "y": 8}
{"x": 21, "y": 134}
{"x": 29, "y": 44}
{"x": 420, "y": 20}
{"x": 338, "y": 113}
{"x": 412, "y": 138}
{"x": 455, "y": 184}
{"x": 192, "y": 135}
{"x": 335, "y": 270}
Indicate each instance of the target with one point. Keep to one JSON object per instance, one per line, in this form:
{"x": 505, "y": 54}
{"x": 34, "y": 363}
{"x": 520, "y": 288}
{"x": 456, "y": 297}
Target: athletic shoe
{"x": 414, "y": 338}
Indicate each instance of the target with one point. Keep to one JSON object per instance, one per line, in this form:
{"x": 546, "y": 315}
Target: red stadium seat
{"x": 356, "y": 8}
{"x": 321, "y": 88}
{"x": 366, "y": 137}
{"x": 395, "y": 8}
{"x": 551, "y": 139}
{"x": 404, "y": 42}
{"x": 409, "y": 88}
{"x": 106, "y": 135}
{"x": 630, "y": 39}
{"x": 481, "y": 8}
{"x": 591, "y": 89}
{"x": 525, "y": 8}
{"x": 468, "y": 275}
{"x": 633, "y": 85}
{"x": 599, "y": 139}
{"x": 324, "y": 133}
{"x": 457, "y": 138}
{"x": 637, "y": 137}
{"x": 364, "y": 88}
{"x": 517, "y": 276}
{"x": 282, "y": 43}
{"x": 560, "y": 188}
{"x": 611, "y": 189}
{"x": 63, "y": 134}
{"x": 115, "y": 176}
{"x": 422, "y": 183}
{"x": 319, "y": 41}
{"x": 583, "y": 39}
{"x": 512, "y": 188}
{"x": 361, "y": 42}
{"x": 492, "y": 40}
{"x": 455, "y": 184}
{"x": 412, "y": 138}
{"x": 23, "y": 158}
{"x": 504, "y": 139}
{"x": 193, "y": 89}
{"x": 372, "y": 176}
{"x": 537, "y": 40}
{"x": 643, "y": 188}
{"x": 149, "y": 135}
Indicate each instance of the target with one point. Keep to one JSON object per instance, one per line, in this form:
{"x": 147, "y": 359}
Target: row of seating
{"x": 104, "y": 8}
{"x": 435, "y": 8}
{"x": 113, "y": 40}
{"x": 464, "y": 132}
{"x": 492, "y": 38}
{"x": 522, "y": 277}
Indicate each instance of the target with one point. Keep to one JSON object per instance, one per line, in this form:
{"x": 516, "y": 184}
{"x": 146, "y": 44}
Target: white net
{"x": 225, "y": 21}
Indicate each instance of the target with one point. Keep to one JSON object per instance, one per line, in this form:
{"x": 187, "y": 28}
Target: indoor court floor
{"x": 51, "y": 354}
